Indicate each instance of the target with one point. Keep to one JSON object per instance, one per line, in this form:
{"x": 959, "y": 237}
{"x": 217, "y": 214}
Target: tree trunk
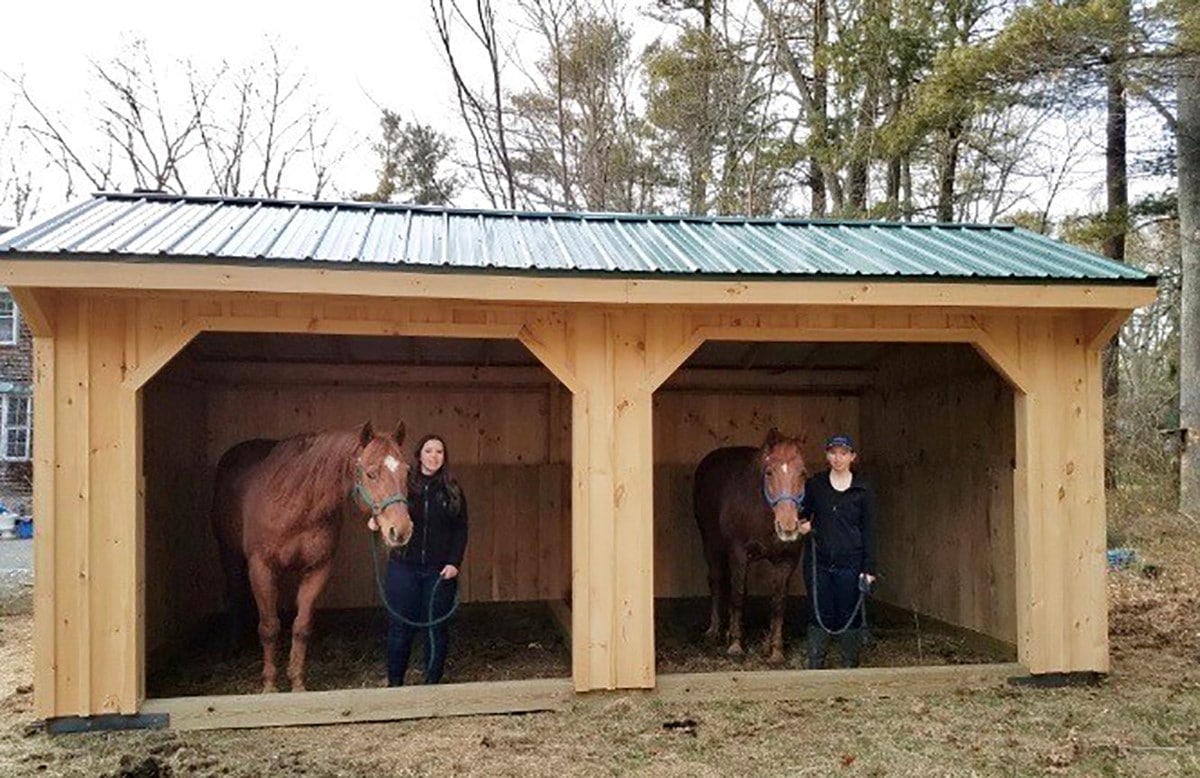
{"x": 1188, "y": 139}
{"x": 700, "y": 163}
{"x": 820, "y": 102}
{"x": 948, "y": 172}
{"x": 1116, "y": 180}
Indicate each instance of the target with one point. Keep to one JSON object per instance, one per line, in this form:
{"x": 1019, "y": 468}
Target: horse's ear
{"x": 399, "y": 434}
{"x": 365, "y": 433}
{"x": 773, "y": 437}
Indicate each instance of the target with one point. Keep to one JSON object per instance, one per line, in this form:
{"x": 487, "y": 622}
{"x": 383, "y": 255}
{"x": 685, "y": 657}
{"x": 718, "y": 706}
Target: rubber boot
{"x": 851, "y": 642}
{"x": 818, "y": 642}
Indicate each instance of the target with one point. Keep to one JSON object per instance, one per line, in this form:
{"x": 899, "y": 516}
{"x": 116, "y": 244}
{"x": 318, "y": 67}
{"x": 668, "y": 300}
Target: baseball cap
{"x": 840, "y": 440}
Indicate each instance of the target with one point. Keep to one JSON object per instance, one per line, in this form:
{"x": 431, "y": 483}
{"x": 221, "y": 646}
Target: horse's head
{"x": 783, "y": 482}
{"x": 381, "y": 476}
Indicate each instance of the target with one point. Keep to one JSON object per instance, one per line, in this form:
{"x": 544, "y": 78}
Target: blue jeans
{"x": 409, "y": 588}
{"x": 835, "y": 593}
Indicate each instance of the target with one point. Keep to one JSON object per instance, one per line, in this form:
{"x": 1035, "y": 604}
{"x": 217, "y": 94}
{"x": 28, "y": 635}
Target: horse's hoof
{"x": 269, "y": 688}
{"x": 776, "y": 658}
{"x": 712, "y": 635}
{"x": 298, "y": 687}
{"x": 735, "y": 649}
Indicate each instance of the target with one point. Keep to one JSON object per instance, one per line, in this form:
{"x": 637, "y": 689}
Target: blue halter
{"x": 798, "y": 499}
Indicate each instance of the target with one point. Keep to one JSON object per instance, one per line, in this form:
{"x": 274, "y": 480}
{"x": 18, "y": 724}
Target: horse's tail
{"x": 228, "y": 517}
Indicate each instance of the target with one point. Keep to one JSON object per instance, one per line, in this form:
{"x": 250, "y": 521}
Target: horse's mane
{"x": 313, "y": 471}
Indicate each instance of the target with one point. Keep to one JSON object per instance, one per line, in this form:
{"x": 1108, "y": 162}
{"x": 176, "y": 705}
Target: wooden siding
{"x": 90, "y": 579}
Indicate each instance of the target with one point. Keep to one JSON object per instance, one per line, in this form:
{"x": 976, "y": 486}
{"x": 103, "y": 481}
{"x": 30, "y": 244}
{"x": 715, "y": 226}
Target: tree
{"x": 238, "y": 132}
{"x": 481, "y": 109}
{"x": 710, "y": 100}
{"x": 412, "y": 158}
{"x": 1187, "y": 133}
{"x": 19, "y": 193}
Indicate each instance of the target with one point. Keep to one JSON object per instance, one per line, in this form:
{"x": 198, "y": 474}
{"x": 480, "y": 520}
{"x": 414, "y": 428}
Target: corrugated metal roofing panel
{"x": 167, "y": 226}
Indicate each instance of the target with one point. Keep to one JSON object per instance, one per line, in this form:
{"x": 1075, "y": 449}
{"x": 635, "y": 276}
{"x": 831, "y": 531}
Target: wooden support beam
{"x": 37, "y": 309}
{"x": 1099, "y": 327}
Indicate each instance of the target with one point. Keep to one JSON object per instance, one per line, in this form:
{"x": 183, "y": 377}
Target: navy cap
{"x": 840, "y": 440}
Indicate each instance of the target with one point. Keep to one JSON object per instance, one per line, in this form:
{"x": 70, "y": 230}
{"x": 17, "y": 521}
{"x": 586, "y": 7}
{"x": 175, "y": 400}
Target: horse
{"x": 278, "y": 507}
{"x": 746, "y": 502}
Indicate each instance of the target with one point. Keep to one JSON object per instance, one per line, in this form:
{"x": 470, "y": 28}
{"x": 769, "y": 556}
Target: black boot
{"x": 851, "y": 641}
{"x": 818, "y": 642}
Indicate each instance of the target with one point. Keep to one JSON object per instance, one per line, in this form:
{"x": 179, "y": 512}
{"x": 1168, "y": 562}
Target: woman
{"x": 428, "y": 566}
{"x": 839, "y": 558}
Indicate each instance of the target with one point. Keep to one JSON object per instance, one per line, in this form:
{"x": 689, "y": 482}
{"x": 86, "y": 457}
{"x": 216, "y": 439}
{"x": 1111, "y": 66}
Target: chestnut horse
{"x": 277, "y": 507}
{"x": 747, "y": 504}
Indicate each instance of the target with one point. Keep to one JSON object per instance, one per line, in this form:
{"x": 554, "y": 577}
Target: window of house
{"x": 16, "y": 437}
{"x": 9, "y": 329}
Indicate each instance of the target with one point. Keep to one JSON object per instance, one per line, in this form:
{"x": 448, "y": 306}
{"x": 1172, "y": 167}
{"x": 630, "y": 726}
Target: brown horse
{"x": 277, "y": 507}
{"x": 746, "y": 502}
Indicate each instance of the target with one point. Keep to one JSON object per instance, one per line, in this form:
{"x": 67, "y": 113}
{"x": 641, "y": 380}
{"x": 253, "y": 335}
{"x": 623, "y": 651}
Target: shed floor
{"x": 510, "y": 641}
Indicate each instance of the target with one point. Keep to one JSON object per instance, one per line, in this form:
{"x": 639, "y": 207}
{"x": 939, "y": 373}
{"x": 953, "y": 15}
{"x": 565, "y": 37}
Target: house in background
{"x": 16, "y": 407}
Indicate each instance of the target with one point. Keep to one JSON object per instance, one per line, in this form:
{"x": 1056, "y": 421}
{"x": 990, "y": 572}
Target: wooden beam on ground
{"x": 353, "y": 705}
{"x": 817, "y": 684}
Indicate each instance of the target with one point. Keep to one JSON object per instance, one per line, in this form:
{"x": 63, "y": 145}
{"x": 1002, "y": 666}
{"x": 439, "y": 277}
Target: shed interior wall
{"x": 507, "y": 433}
{"x": 938, "y": 427}
{"x": 935, "y": 425}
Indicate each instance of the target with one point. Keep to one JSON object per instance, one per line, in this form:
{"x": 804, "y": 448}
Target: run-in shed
{"x": 979, "y": 342}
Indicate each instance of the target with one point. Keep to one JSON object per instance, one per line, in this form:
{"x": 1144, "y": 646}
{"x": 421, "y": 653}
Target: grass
{"x": 1142, "y": 720}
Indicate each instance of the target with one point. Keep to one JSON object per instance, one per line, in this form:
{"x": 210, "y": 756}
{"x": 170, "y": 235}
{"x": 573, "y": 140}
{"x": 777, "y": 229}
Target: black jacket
{"x": 439, "y": 514}
{"x": 843, "y": 523}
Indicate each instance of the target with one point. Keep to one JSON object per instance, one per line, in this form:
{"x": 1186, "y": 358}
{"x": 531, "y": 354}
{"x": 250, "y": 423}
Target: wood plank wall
{"x": 939, "y": 446}
{"x": 183, "y": 578}
{"x": 688, "y": 425}
{"x": 507, "y": 434}
{"x": 92, "y": 574}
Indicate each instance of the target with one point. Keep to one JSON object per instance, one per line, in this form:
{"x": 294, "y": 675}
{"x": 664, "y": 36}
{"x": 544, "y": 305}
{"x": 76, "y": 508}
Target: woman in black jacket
{"x": 839, "y": 554}
{"x": 428, "y": 566}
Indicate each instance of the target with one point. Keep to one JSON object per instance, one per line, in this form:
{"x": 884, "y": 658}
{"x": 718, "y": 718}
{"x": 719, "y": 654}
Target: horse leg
{"x": 781, "y": 576}
{"x": 737, "y": 595}
{"x": 310, "y": 588}
{"x": 266, "y": 595}
{"x": 718, "y": 590}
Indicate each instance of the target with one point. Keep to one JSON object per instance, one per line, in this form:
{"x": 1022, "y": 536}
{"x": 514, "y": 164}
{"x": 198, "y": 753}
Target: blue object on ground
{"x": 1120, "y": 558}
{"x": 25, "y": 528}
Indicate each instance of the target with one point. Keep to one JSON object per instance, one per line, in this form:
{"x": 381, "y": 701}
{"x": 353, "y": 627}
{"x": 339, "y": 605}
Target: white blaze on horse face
{"x": 391, "y": 463}
{"x": 785, "y": 468}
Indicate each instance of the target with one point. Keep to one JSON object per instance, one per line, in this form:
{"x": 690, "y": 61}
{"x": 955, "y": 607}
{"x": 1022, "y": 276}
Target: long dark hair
{"x": 441, "y": 479}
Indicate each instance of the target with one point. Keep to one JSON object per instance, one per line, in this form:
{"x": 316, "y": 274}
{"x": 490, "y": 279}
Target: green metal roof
{"x": 160, "y": 227}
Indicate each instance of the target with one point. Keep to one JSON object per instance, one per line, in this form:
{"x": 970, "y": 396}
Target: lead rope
{"x": 432, "y": 622}
{"x": 861, "y": 605}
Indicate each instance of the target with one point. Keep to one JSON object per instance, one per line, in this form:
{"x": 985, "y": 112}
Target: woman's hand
{"x": 805, "y": 527}
{"x": 449, "y": 571}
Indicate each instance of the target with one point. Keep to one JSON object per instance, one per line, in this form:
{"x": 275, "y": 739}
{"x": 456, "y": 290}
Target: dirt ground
{"x": 504, "y": 641}
{"x": 1144, "y": 719}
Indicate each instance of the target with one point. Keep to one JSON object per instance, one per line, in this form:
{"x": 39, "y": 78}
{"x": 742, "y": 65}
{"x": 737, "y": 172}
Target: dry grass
{"x": 1143, "y": 720}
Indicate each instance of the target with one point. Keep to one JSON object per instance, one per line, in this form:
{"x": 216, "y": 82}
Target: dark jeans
{"x": 409, "y": 588}
{"x": 835, "y": 593}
